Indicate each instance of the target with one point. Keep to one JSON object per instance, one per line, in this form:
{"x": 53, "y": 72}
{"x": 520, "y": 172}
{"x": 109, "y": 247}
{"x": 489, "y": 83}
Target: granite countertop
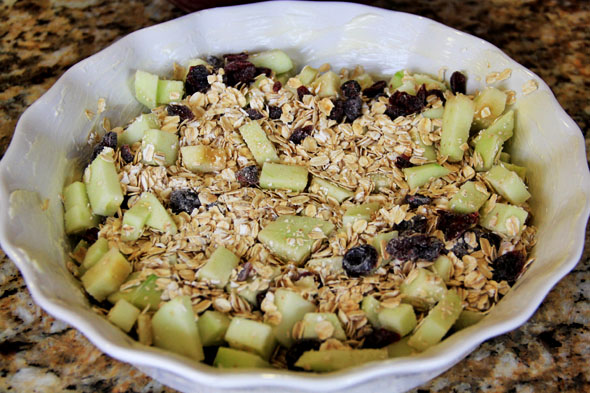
{"x": 39, "y": 40}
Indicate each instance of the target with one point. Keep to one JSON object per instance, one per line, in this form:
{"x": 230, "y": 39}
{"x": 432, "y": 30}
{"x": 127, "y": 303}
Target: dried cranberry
{"x": 263, "y": 70}
{"x": 276, "y": 87}
{"x": 126, "y": 154}
{"x": 297, "y": 349}
{"x": 275, "y": 112}
{"x": 403, "y": 162}
{"x": 248, "y": 176}
{"x": 108, "y": 140}
{"x": 196, "y": 80}
{"x": 245, "y": 272}
{"x": 300, "y": 133}
{"x": 508, "y": 266}
{"x": 182, "y": 111}
{"x": 184, "y": 201}
{"x": 353, "y": 108}
{"x": 230, "y": 57}
{"x": 417, "y": 200}
{"x": 414, "y": 247}
{"x": 337, "y": 112}
{"x": 380, "y": 338}
{"x": 360, "y": 260}
{"x": 302, "y": 91}
{"x": 454, "y": 225}
{"x": 375, "y": 90}
{"x": 254, "y": 114}
{"x": 239, "y": 71}
{"x": 350, "y": 89}
{"x": 215, "y": 62}
{"x": 417, "y": 224}
{"x": 458, "y": 83}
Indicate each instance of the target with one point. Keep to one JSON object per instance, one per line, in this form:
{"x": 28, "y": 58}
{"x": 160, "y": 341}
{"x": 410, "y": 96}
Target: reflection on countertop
{"x": 39, "y": 40}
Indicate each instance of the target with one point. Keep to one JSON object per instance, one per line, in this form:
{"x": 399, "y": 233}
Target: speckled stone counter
{"x": 41, "y": 39}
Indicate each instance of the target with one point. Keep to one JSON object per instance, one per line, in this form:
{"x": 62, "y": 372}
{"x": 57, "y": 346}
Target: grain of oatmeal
{"x": 529, "y": 87}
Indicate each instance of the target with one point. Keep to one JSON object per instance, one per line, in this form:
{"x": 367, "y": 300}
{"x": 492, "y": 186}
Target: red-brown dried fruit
{"x": 196, "y": 80}
{"x": 380, "y": 338}
{"x": 182, "y": 111}
{"x": 248, "y": 176}
{"x": 184, "y": 201}
{"x": 360, "y": 260}
{"x": 302, "y": 91}
{"x": 253, "y": 114}
{"x": 126, "y": 154}
{"x": 215, "y": 62}
{"x": 403, "y": 161}
{"x": 508, "y": 266}
{"x": 417, "y": 200}
{"x": 297, "y": 349}
{"x": 404, "y": 104}
{"x": 375, "y": 90}
{"x": 263, "y": 70}
{"x": 108, "y": 140}
{"x": 276, "y": 87}
{"x": 350, "y": 89}
{"x": 458, "y": 83}
{"x": 353, "y": 108}
{"x": 245, "y": 272}
{"x": 337, "y": 112}
{"x": 274, "y": 112}
{"x": 454, "y": 225}
{"x": 300, "y": 133}
{"x": 414, "y": 247}
{"x": 239, "y": 71}
{"x": 229, "y": 57}
{"x": 416, "y": 224}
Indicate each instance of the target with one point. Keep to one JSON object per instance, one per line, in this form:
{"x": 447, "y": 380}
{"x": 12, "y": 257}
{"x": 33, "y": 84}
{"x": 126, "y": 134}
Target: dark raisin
{"x": 239, "y": 71}
{"x": 277, "y": 86}
{"x": 230, "y": 57}
{"x": 184, "y": 201}
{"x": 300, "y": 133}
{"x": 417, "y": 200}
{"x": 260, "y": 298}
{"x": 90, "y": 235}
{"x": 380, "y": 338}
{"x": 263, "y": 70}
{"x": 360, "y": 260}
{"x": 417, "y": 224}
{"x": 454, "y": 225}
{"x": 404, "y": 104}
{"x": 458, "y": 83}
{"x": 403, "y": 161}
{"x": 508, "y": 266}
{"x": 215, "y": 62}
{"x": 297, "y": 349}
{"x": 245, "y": 272}
{"x": 108, "y": 140}
{"x": 353, "y": 108}
{"x": 248, "y": 176}
{"x": 337, "y": 112}
{"x": 375, "y": 90}
{"x": 414, "y": 247}
{"x": 350, "y": 89}
{"x": 182, "y": 111}
{"x": 196, "y": 80}
{"x": 491, "y": 237}
{"x": 302, "y": 91}
{"x": 126, "y": 154}
{"x": 274, "y": 112}
{"x": 461, "y": 248}
{"x": 254, "y": 114}
{"x": 438, "y": 93}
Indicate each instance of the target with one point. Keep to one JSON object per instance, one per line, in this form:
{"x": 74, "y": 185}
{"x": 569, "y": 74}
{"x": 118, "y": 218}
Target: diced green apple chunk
{"x": 135, "y": 130}
{"x": 159, "y": 218}
{"x": 212, "y": 327}
{"x": 275, "y": 59}
{"x": 146, "y": 88}
{"x": 218, "y": 268}
{"x": 338, "y": 359}
{"x": 434, "y": 113}
{"x": 307, "y": 75}
{"x": 260, "y": 146}
{"x": 470, "y": 198}
{"x": 430, "y": 82}
{"x": 144, "y": 329}
{"x": 134, "y": 221}
{"x": 396, "y": 80}
{"x": 400, "y": 348}
{"x": 328, "y": 84}
{"x": 174, "y": 329}
{"x": 95, "y": 252}
{"x": 123, "y": 315}
{"x": 159, "y": 147}
{"x": 438, "y": 322}
{"x": 78, "y": 215}
{"x": 503, "y": 218}
{"x": 360, "y": 212}
{"x": 313, "y": 325}
{"x": 457, "y": 118}
{"x": 519, "y": 170}
{"x": 489, "y": 104}
{"x": 233, "y": 358}
{"x": 107, "y": 275}
{"x": 293, "y": 308}
{"x": 371, "y": 308}
{"x": 102, "y": 184}
{"x": 288, "y": 236}
{"x": 488, "y": 148}
{"x": 364, "y": 80}
{"x": 400, "y": 319}
{"x": 202, "y": 159}
{"x": 169, "y": 91}
{"x": 381, "y": 181}
{"x": 508, "y": 184}
{"x": 329, "y": 189}
{"x": 429, "y": 152}
{"x": 503, "y": 127}
{"x": 79, "y": 252}
{"x": 417, "y": 176}
{"x": 144, "y": 295}
{"x": 380, "y": 241}
{"x": 468, "y": 318}
{"x": 442, "y": 267}
{"x": 422, "y": 288}
{"x": 251, "y": 336}
{"x": 286, "y": 177}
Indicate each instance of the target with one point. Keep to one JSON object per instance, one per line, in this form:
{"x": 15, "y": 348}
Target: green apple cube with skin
{"x": 134, "y": 132}
{"x": 396, "y": 80}
{"x": 95, "y": 252}
{"x": 359, "y": 212}
{"x": 400, "y": 348}
{"x": 174, "y": 329}
{"x": 146, "y": 88}
{"x": 134, "y": 221}
{"x": 202, "y": 159}
{"x": 312, "y": 325}
{"x": 293, "y": 308}
{"x": 158, "y": 143}
{"x": 328, "y": 84}
{"x": 442, "y": 267}
{"x": 307, "y": 75}
{"x": 470, "y": 198}
{"x": 159, "y": 218}
{"x": 212, "y": 327}
{"x": 234, "y": 358}
{"x": 508, "y": 184}
{"x": 371, "y": 308}
{"x": 78, "y": 215}
{"x": 144, "y": 295}
{"x": 422, "y": 288}
{"x": 288, "y": 236}
{"x": 489, "y": 104}
{"x": 107, "y": 275}
{"x": 502, "y": 127}
{"x": 338, "y": 359}
{"x": 488, "y": 148}
{"x": 324, "y": 187}
{"x": 275, "y": 59}
{"x": 123, "y": 315}
{"x": 283, "y": 177}
{"x": 468, "y": 318}
{"x": 218, "y": 268}
{"x": 438, "y": 322}
{"x": 380, "y": 241}
{"x": 169, "y": 91}
{"x": 260, "y": 146}
{"x": 519, "y": 170}
{"x": 252, "y": 336}
{"x": 434, "y": 113}
{"x": 79, "y": 252}
{"x": 429, "y": 81}
{"x": 503, "y": 218}
{"x": 102, "y": 184}
{"x": 457, "y": 118}
{"x": 144, "y": 329}
{"x": 417, "y": 176}
{"x": 400, "y": 319}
